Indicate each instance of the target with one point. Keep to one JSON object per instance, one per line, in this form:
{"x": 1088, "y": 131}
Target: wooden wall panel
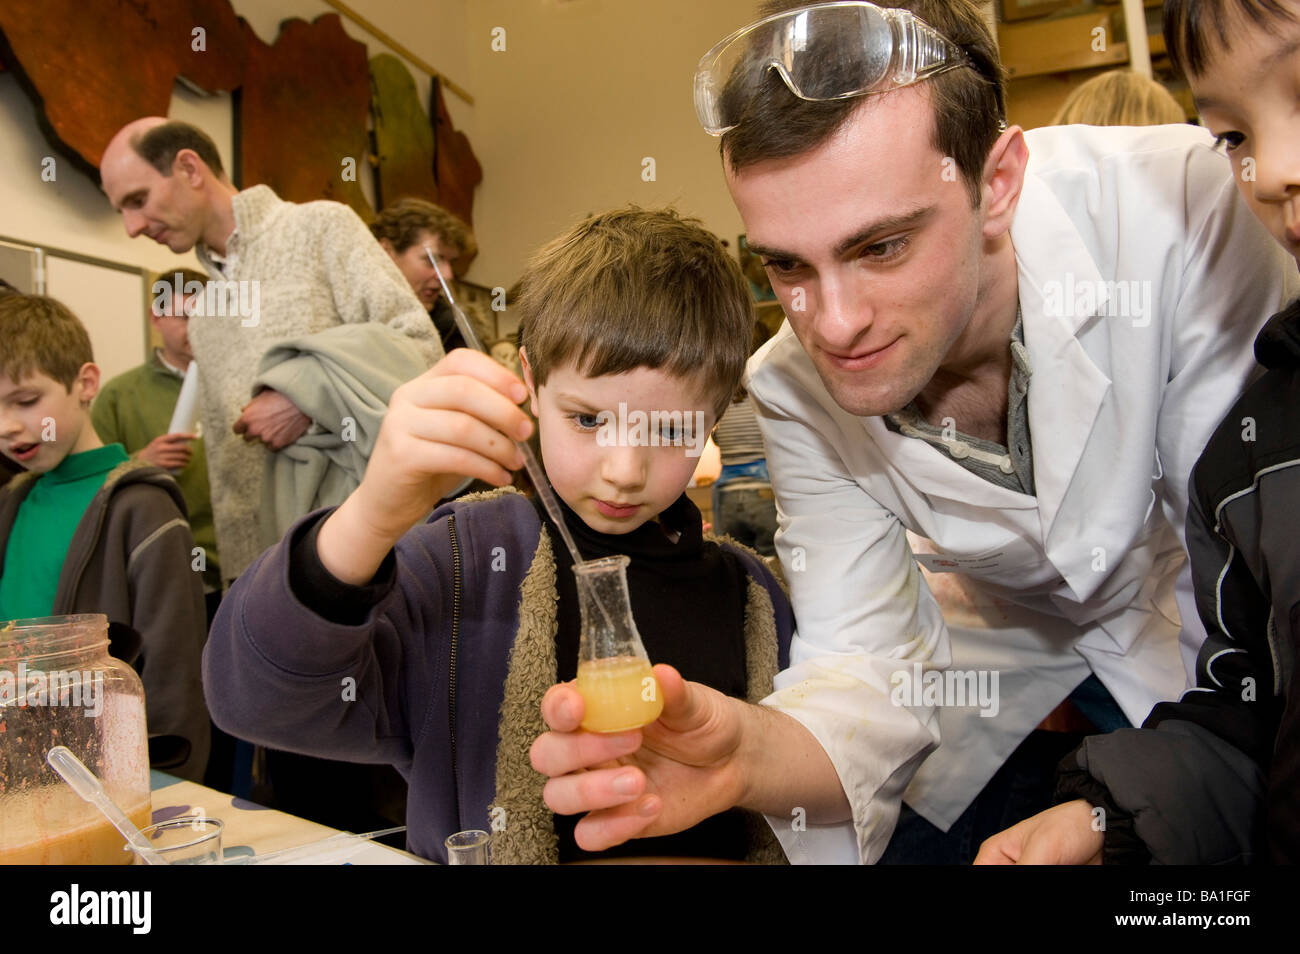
{"x": 302, "y": 103}
{"x": 93, "y": 67}
{"x": 302, "y": 112}
{"x": 456, "y": 168}
{"x": 403, "y": 137}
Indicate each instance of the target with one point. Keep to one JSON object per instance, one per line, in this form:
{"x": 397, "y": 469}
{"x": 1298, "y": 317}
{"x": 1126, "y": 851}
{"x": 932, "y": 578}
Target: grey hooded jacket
{"x": 133, "y": 559}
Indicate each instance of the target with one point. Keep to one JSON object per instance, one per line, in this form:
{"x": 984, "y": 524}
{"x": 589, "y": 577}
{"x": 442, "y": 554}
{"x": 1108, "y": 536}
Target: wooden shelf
{"x": 1057, "y": 44}
{"x": 1048, "y": 57}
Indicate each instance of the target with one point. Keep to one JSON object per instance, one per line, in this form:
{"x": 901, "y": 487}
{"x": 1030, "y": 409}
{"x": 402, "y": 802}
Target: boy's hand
{"x": 168, "y": 451}
{"x": 459, "y": 419}
{"x": 1062, "y": 835}
{"x": 661, "y": 779}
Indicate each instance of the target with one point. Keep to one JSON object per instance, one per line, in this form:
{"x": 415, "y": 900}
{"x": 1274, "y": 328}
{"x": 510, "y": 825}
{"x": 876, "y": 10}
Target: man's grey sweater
{"x": 298, "y": 269}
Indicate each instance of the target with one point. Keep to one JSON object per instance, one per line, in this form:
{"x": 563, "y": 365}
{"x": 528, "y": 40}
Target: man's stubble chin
{"x": 871, "y": 393}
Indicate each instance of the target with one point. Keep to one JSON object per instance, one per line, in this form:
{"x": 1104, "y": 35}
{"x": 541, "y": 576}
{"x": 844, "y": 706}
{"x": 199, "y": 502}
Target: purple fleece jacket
{"x": 279, "y": 674}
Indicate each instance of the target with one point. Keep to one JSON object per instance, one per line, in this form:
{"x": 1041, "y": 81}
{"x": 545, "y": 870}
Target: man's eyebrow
{"x": 127, "y": 198}
{"x": 891, "y": 223}
{"x": 764, "y": 251}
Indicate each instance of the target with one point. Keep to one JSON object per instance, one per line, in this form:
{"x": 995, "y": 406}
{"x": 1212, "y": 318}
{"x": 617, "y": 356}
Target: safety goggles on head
{"x": 824, "y": 52}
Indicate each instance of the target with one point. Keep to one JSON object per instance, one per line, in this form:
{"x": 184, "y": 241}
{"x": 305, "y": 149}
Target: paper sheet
{"x": 185, "y": 417}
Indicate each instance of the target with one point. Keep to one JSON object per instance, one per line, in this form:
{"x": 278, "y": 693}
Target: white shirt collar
{"x": 167, "y": 364}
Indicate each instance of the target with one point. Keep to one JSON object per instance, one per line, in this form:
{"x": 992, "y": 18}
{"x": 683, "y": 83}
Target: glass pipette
{"x": 553, "y": 508}
{"x": 534, "y": 469}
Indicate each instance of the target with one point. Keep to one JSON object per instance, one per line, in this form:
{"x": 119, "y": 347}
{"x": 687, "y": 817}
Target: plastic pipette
{"x": 83, "y": 781}
{"x": 334, "y": 850}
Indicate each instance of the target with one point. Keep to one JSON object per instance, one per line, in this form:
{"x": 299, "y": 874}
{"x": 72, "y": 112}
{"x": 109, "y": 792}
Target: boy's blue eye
{"x": 586, "y": 421}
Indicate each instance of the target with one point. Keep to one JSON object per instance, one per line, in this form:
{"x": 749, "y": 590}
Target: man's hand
{"x": 657, "y": 780}
{"x": 272, "y": 419}
{"x": 1059, "y": 836}
{"x": 459, "y": 419}
{"x": 169, "y": 451}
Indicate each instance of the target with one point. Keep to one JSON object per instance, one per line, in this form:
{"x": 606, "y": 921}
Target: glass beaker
{"x": 468, "y": 847}
{"x": 59, "y": 686}
{"x": 188, "y": 840}
{"x": 614, "y": 675}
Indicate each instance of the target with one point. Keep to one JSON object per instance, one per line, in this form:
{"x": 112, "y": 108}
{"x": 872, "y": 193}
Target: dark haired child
{"x": 1215, "y": 777}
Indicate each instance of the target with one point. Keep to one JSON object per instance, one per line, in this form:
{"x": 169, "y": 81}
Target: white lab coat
{"x": 1081, "y": 576}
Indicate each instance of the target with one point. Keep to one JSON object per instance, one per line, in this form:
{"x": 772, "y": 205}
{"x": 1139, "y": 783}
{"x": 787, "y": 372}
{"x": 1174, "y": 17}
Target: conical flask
{"x": 614, "y": 674}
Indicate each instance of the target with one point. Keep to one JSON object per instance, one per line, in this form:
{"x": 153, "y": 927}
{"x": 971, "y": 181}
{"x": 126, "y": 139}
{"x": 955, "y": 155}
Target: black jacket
{"x": 1218, "y": 780}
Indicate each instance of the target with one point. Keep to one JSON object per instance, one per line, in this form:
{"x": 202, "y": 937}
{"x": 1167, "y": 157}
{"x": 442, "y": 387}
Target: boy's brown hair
{"x": 40, "y": 335}
{"x": 636, "y": 288}
{"x": 968, "y": 105}
{"x": 402, "y": 222}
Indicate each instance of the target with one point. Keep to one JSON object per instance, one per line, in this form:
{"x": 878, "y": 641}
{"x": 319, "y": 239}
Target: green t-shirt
{"x": 43, "y": 529}
{"x": 133, "y": 409}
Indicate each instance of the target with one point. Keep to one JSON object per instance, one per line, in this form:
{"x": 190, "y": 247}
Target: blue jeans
{"x": 1022, "y": 787}
{"x": 744, "y": 507}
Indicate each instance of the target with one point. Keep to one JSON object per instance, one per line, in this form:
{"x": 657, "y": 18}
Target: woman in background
{"x": 1119, "y": 98}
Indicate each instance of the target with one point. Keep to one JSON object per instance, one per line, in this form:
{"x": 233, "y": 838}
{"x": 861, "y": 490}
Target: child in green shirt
{"x": 86, "y": 530}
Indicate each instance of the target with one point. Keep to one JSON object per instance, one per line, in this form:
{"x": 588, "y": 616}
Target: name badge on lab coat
{"x": 945, "y": 563}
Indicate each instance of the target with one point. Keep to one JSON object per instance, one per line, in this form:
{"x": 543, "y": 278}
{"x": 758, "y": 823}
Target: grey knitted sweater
{"x": 297, "y": 269}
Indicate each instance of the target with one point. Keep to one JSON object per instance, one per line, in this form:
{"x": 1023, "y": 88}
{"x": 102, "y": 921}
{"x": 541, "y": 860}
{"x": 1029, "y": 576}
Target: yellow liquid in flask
{"x": 620, "y": 692}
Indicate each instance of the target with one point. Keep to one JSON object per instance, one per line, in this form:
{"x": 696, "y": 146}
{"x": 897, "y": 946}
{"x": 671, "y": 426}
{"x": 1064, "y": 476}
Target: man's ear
{"x": 388, "y": 247}
{"x": 528, "y": 380}
{"x": 188, "y": 164}
{"x": 1003, "y": 179}
{"x": 87, "y": 381}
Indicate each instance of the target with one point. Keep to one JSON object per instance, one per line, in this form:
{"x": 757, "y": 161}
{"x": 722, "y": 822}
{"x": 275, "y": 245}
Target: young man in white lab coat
{"x": 1012, "y": 346}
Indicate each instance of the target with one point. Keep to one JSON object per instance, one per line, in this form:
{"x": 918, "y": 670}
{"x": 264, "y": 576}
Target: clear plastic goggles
{"x": 824, "y": 52}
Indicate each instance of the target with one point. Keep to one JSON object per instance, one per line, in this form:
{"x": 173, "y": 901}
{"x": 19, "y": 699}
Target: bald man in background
{"x": 298, "y": 269}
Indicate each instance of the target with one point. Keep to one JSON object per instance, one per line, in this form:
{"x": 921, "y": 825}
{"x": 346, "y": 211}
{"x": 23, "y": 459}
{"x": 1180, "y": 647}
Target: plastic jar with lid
{"x": 60, "y": 686}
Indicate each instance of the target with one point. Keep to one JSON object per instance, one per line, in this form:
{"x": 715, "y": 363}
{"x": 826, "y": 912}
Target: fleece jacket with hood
{"x": 132, "y": 558}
